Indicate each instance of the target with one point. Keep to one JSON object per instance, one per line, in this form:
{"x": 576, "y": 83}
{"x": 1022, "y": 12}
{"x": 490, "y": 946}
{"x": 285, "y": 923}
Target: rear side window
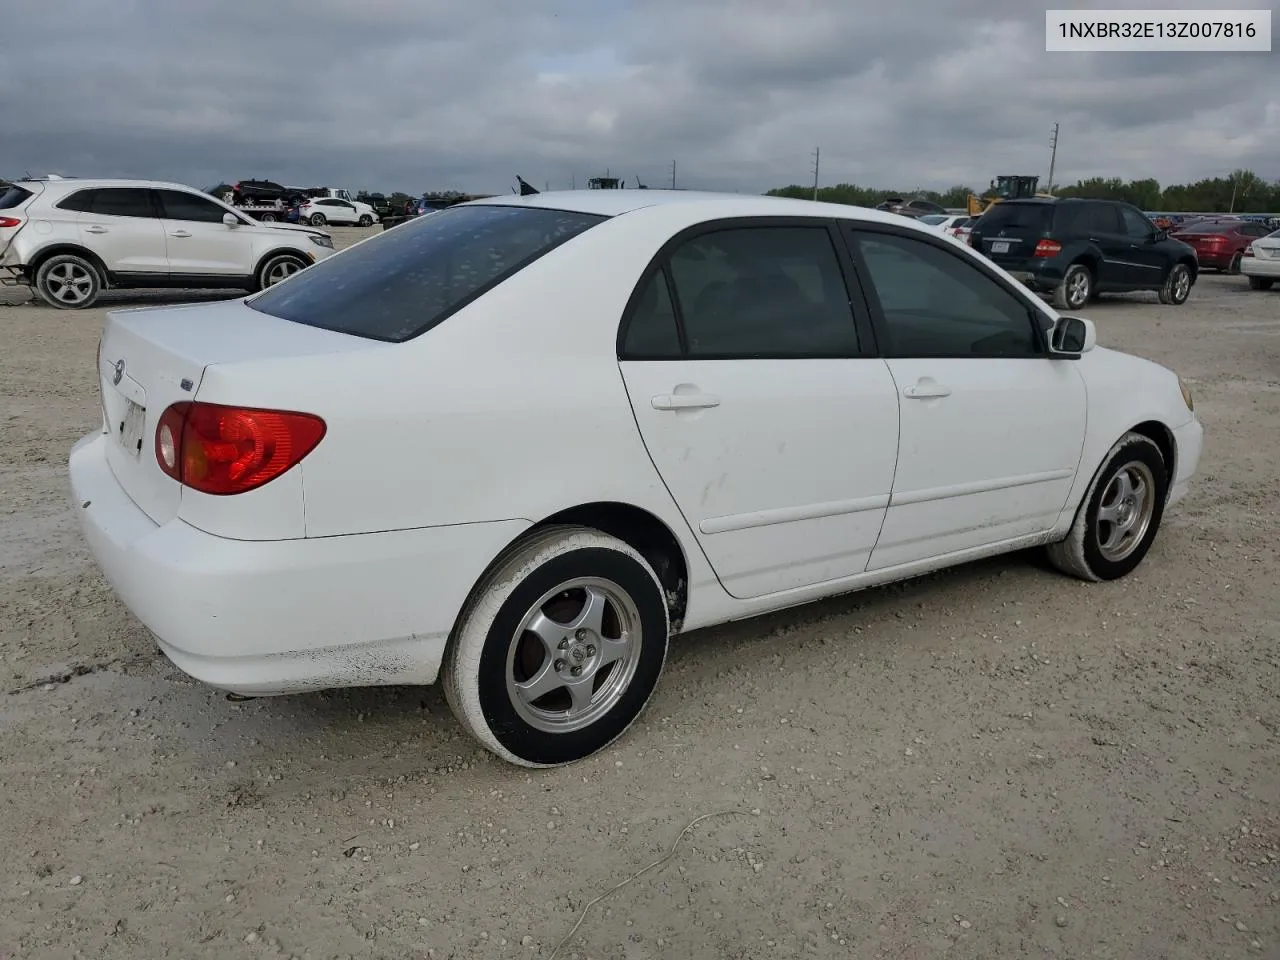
{"x": 652, "y": 333}
{"x": 122, "y": 202}
{"x": 178, "y": 205}
{"x": 81, "y": 201}
{"x": 11, "y": 195}
{"x": 402, "y": 283}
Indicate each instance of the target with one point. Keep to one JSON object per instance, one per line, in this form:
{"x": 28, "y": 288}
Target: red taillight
{"x": 10, "y": 222}
{"x": 223, "y": 450}
{"x": 1048, "y": 248}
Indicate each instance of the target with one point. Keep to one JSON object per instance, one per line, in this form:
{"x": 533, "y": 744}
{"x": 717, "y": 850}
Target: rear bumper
{"x": 1257, "y": 267}
{"x": 284, "y": 616}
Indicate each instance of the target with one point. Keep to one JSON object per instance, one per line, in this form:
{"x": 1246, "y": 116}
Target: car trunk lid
{"x": 14, "y": 199}
{"x": 150, "y": 358}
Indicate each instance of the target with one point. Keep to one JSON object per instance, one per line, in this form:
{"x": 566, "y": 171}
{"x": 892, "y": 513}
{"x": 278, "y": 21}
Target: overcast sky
{"x": 424, "y": 94}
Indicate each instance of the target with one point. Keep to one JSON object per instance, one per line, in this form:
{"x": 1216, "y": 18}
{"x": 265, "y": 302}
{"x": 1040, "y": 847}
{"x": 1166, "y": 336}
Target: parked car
{"x": 1261, "y": 262}
{"x": 1221, "y": 243}
{"x": 318, "y": 211}
{"x": 71, "y": 239}
{"x": 1075, "y": 249}
{"x": 664, "y": 372}
{"x": 948, "y": 223}
{"x": 918, "y": 207}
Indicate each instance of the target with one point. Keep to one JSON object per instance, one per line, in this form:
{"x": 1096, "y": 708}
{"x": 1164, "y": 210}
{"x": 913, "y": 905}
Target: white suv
{"x": 70, "y": 239}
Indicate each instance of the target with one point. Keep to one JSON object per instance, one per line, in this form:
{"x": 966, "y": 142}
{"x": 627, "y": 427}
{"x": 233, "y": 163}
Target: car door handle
{"x": 926, "y": 389}
{"x": 684, "y": 401}
{"x": 95, "y": 229}
{"x": 180, "y": 233}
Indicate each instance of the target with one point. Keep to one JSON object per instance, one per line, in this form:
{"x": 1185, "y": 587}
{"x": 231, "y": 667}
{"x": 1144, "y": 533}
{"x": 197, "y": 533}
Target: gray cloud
{"x": 407, "y": 94}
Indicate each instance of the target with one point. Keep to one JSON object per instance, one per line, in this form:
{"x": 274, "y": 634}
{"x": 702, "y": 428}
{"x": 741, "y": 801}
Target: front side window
{"x": 178, "y": 205}
{"x": 401, "y": 283}
{"x": 936, "y": 304}
{"x": 763, "y": 292}
{"x": 1136, "y": 225}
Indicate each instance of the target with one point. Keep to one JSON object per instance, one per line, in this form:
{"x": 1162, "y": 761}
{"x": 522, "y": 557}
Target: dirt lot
{"x": 994, "y": 762}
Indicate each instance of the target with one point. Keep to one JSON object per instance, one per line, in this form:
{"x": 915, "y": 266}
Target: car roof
{"x": 709, "y": 205}
{"x": 68, "y": 184}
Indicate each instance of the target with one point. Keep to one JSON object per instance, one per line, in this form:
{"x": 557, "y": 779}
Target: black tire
{"x": 69, "y": 282}
{"x": 318, "y": 220}
{"x": 1261, "y": 283}
{"x": 1234, "y": 266}
{"x": 489, "y": 643}
{"x": 1075, "y": 289}
{"x": 278, "y": 267}
{"x": 268, "y": 218}
{"x": 1082, "y": 554}
{"x": 366, "y": 220}
{"x": 1177, "y": 285}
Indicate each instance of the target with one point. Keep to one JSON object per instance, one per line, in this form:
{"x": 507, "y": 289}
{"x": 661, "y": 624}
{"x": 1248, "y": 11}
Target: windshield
{"x": 933, "y": 219}
{"x": 402, "y": 283}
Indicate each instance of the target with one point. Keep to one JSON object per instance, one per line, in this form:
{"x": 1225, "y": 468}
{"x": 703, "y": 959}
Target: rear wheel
{"x": 1260, "y": 283}
{"x": 1177, "y": 285}
{"x": 68, "y": 282}
{"x": 317, "y": 220}
{"x": 1234, "y": 266}
{"x": 559, "y": 648}
{"x": 1119, "y": 515}
{"x": 1075, "y": 289}
{"x": 268, "y": 218}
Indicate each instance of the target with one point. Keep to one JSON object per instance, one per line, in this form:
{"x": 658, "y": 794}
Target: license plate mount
{"x": 131, "y": 426}
{"x": 1000, "y": 246}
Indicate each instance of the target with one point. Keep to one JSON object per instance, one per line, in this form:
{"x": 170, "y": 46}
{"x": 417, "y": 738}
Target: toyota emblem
{"x": 119, "y": 374}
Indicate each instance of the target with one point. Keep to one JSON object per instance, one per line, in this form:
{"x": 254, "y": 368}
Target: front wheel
{"x": 68, "y": 282}
{"x": 1177, "y": 286}
{"x": 366, "y": 220}
{"x": 1119, "y": 515}
{"x": 317, "y": 220}
{"x": 1260, "y": 283}
{"x": 277, "y": 268}
{"x": 1075, "y": 289}
{"x": 559, "y": 648}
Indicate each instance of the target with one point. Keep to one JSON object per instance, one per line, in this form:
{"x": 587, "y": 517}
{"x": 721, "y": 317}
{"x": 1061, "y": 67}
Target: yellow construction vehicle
{"x": 1006, "y": 186}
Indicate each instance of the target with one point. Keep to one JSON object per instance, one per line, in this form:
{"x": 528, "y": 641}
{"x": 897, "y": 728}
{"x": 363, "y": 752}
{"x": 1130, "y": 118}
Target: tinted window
{"x": 403, "y": 282}
{"x": 935, "y": 304}
{"x": 1102, "y": 218}
{"x": 187, "y": 206}
{"x": 763, "y": 291}
{"x": 122, "y": 202}
{"x": 11, "y": 195}
{"x": 1253, "y": 230}
{"x": 652, "y": 331}
{"x": 1018, "y": 218}
{"x": 1136, "y": 225}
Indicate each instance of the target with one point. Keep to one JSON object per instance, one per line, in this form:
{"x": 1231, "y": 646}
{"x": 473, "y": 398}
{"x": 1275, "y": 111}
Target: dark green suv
{"x": 1076, "y": 249}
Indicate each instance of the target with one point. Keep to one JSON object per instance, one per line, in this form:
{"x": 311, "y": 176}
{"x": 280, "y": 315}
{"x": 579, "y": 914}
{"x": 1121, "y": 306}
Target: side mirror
{"x": 1161, "y": 235}
{"x": 1071, "y": 337}
{"x": 231, "y": 220}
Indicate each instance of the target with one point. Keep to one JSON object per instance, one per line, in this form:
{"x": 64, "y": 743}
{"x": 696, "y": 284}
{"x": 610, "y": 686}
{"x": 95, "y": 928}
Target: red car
{"x": 1220, "y": 243}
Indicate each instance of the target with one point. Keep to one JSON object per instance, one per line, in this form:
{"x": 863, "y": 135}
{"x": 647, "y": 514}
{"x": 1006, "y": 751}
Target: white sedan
{"x": 1261, "y": 262}
{"x": 519, "y": 444}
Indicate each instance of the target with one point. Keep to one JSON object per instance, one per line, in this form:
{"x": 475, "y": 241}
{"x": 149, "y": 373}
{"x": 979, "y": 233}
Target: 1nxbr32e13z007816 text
{"x": 1204, "y": 31}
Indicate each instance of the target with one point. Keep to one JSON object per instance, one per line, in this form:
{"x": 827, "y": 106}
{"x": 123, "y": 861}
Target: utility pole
{"x": 1053, "y": 157}
{"x": 673, "y": 174}
{"x": 817, "y": 157}
{"x": 573, "y": 181}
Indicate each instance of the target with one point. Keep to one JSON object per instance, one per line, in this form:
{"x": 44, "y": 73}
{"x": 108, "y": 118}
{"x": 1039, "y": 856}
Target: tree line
{"x": 1241, "y": 192}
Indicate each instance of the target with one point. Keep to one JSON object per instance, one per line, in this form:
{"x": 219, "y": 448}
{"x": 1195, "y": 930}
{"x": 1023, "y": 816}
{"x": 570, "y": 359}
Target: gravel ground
{"x": 993, "y": 762}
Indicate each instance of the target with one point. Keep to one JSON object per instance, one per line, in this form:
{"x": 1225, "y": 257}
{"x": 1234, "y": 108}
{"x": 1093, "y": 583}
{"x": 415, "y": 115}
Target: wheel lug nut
{"x": 564, "y": 644}
{"x": 591, "y": 651}
{"x": 559, "y": 664}
{"x": 576, "y": 671}
{"x": 581, "y": 634}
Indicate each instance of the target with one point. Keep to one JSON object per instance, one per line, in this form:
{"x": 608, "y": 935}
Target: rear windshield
{"x": 1019, "y": 217}
{"x": 11, "y": 195}
{"x": 405, "y": 281}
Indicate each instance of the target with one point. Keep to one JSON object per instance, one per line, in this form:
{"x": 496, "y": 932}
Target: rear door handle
{"x": 926, "y": 389}
{"x": 95, "y": 229}
{"x": 684, "y": 401}
{"x": 179, "y": 233}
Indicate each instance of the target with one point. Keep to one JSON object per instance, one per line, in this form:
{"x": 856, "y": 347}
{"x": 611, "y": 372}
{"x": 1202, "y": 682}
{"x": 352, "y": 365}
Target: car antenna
{"x": 526, "y": 189}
